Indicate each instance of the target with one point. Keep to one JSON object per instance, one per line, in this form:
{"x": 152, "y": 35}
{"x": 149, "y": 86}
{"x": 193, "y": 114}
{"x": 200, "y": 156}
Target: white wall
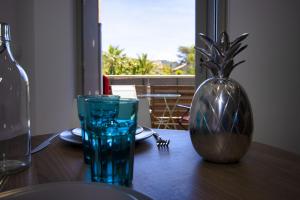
{"x": 55, "y": 63}
{"x": 271, "y": 73}
{"x": 44, "y": 35}
{"x": 25, "y": 55}
{"x": 8, "y": 13}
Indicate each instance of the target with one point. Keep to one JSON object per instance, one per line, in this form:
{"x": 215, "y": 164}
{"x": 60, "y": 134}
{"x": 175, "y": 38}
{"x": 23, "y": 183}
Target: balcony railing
{"x": 158, "y": 84}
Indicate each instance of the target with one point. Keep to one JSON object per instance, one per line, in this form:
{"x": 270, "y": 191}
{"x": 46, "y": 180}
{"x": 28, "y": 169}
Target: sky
{"x": 155, "y": 27}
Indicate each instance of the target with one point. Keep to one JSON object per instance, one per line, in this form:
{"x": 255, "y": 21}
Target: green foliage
{"x": 116, "y": 62}
{"x": 144, "y": 65}
{"x": 166, "y": 70}
{"x": 187, "y": 55}
{"x": 191, "y": 70}
{"x": 179, "y": 72}
{"x": 113, "y": 60}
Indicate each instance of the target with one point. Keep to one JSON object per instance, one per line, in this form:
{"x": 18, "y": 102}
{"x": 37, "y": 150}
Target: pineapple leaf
{"x": 239, "y": 50}
{"x": 227, "y": 64}
{"x": 239, "y": 39}
{"x": 229, "y": 54}
{"x": 223, "y": 42}
{"x": 209, "y": 43}
{"x": 226, "y": 68}
{"x": 204, "y": 53}
{"x": 218, "y": 57}
{"x": 214, "y": 68}
{"x": 235, "y": 46}
{"x": 227, "y": 71}
{"x": 238, "y": 63}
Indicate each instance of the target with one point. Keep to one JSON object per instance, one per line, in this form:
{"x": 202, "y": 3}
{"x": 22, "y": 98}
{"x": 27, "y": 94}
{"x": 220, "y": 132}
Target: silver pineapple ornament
{"x": 221, "y": 122}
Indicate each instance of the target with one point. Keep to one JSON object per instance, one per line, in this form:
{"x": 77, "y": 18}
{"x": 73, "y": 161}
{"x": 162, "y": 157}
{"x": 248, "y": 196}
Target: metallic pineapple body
{"x": 221, "y": 122}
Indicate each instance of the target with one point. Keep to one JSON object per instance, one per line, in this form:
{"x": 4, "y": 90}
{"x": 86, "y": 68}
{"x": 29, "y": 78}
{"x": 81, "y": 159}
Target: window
{"x": 148, "y": 37}
{"x": 210, "y": 17}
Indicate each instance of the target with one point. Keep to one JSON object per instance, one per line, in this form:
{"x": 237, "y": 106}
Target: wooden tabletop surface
{"x": 178, "y": 173}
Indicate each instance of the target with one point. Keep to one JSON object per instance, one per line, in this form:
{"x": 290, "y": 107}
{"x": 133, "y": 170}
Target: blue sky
{"x": 155, "y": 27}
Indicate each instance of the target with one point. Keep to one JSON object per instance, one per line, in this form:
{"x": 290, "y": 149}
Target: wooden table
{"x": 178, "y": 173}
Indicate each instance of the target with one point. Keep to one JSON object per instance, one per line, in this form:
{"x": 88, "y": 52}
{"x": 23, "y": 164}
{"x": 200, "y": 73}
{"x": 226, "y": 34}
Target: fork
{"x": 159, "y": 141}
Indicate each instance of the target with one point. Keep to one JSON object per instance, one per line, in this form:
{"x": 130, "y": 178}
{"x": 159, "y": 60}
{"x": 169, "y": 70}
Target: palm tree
{"x": 144, "y": 65}
{"x": 113, "y": 59}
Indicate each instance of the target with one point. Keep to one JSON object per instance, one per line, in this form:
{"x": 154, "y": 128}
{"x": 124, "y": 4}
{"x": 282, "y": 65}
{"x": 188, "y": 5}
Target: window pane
{"x": 153, "y": 28}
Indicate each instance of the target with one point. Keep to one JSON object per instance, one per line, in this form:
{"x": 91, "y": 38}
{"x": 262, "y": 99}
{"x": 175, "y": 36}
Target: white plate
{"x": 139, "y": 129}
{"x": 147, "y": 132}
{"x": 77, "y": 131}
{"x": 72, "y": 191}
{"x": 70, "y": 136}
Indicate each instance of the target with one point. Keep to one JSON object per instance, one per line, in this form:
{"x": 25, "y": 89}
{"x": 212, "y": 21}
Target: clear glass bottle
{"x": 15, "y": 145}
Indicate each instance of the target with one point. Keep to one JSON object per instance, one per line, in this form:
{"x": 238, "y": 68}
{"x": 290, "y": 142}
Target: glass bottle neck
{"x": 5, "y": 40}
{"x": 4, "y": 37}
{"x": 5, "y": 47}
{"x": 4, "y": 32}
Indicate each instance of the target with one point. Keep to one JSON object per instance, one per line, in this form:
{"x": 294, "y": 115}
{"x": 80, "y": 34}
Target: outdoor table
{"x": 178, "y": 172}
{"x": 164, "y": 120}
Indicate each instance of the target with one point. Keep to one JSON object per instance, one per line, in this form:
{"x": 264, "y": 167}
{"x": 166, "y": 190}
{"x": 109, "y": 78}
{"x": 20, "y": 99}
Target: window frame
{"x": 210, "y": 19}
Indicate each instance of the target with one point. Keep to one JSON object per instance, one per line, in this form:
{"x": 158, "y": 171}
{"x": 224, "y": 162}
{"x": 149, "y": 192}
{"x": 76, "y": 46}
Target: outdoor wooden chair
{"x": 129, "y": 91}
{"x": 185, "y": 116}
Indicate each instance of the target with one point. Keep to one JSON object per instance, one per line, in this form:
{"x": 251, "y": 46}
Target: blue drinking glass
{"x": 111, "y": 127}
{"x": 81, "y": 100}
